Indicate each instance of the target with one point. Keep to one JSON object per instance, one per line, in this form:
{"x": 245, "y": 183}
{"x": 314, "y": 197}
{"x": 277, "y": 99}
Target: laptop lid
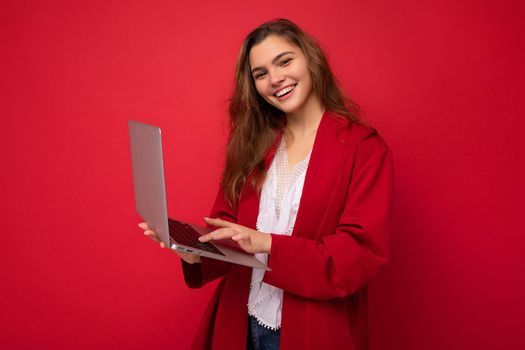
{"x": 148, "y": 177}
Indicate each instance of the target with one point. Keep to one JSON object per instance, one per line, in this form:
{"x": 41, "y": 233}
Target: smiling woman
{"x": 281, "y": 72}
{"x": 307, "y": 189}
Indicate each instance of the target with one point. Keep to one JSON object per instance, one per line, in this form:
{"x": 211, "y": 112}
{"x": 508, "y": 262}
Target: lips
{"x": 285, "y": 90}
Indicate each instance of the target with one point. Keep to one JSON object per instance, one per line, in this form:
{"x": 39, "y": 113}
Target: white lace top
{"x": 278, "y": 206}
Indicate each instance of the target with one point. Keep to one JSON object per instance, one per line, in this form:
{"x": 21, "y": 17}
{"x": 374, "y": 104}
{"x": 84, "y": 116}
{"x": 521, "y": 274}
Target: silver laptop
{"x": 150, "y": 202}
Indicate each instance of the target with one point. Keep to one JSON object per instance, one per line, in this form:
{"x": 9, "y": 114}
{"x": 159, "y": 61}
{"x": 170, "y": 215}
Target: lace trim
{"x": 264, "y": 323}
{"x": 285, "y": 178}
{"x": 252, "y": 309}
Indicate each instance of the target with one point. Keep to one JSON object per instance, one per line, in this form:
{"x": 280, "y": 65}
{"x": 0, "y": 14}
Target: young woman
{"x": 307, "y": 188}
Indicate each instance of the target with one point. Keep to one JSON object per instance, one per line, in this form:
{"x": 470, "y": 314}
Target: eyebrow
{"x": 273, "y": 61}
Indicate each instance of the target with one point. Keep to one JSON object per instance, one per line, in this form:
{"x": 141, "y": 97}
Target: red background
{"x": 441, "y": 80}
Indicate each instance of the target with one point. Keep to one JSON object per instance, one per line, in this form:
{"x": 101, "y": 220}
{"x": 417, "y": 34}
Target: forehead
{"x": 263, "y": 53}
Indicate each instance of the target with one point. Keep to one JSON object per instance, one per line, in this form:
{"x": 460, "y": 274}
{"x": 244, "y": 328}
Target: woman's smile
{"x": 285, "y": 92}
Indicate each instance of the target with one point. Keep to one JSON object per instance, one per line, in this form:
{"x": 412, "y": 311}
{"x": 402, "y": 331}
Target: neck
{"x": 305, "y": 121}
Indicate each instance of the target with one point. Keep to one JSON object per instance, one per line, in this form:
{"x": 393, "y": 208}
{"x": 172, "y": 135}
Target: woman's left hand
{"x": 249, "y": 240}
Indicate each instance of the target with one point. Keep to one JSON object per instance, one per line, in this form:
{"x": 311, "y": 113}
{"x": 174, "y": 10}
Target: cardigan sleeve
{"x": 342, "y": 261}
{"x": 198, "y": 274}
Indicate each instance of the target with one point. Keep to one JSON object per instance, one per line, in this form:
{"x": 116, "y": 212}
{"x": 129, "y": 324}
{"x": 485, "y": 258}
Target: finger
{"x": 218, "y": 222}
{"x": 162, "y": 245}
{"x": 222, "y": 233}
{"x": 152, "y": 235}
{"x": 144, "y": 226}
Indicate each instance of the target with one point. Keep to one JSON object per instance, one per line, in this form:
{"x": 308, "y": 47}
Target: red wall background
{"x": 441, "y": 80}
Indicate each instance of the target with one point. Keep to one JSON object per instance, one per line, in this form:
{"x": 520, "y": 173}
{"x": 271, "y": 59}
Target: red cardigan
{"x": 339, "y": 241}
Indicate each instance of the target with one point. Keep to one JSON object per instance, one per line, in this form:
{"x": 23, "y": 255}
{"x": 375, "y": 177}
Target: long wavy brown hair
{"x": 254, "y": 123}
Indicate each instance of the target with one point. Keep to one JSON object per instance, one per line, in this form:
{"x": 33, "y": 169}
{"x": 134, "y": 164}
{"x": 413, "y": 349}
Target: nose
{"x": 276, "y": 77}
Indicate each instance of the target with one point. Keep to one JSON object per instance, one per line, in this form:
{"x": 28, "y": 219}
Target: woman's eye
{"x": 260, "y": 75}
{"x": 286, "y": 62}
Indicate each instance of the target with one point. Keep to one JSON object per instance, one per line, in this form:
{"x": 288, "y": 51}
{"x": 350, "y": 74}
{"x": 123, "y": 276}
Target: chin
{"x": 290, "y": 109}
{"x": 287, "y": 107}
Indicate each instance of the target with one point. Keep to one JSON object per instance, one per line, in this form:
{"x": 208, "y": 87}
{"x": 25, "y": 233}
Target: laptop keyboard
{"x": 185, "y": 234}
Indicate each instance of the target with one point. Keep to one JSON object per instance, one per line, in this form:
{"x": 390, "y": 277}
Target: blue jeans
{"x": 261, "y": 338}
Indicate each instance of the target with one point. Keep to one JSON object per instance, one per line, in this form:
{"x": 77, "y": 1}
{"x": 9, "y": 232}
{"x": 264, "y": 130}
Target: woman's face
{"x": 280, "y": 72}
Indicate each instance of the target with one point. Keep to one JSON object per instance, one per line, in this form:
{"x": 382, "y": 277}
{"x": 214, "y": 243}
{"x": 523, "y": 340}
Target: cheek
{"x": 306, "y": 78}
{"x": 305, "y": 73}
{"x": 300, "y": 73}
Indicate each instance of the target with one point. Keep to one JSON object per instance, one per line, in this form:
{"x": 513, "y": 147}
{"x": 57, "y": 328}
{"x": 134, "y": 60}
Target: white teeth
{"x": 284, "y": 91}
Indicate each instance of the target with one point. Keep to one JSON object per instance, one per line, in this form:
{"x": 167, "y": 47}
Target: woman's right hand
{"x": 187, "y": 257}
